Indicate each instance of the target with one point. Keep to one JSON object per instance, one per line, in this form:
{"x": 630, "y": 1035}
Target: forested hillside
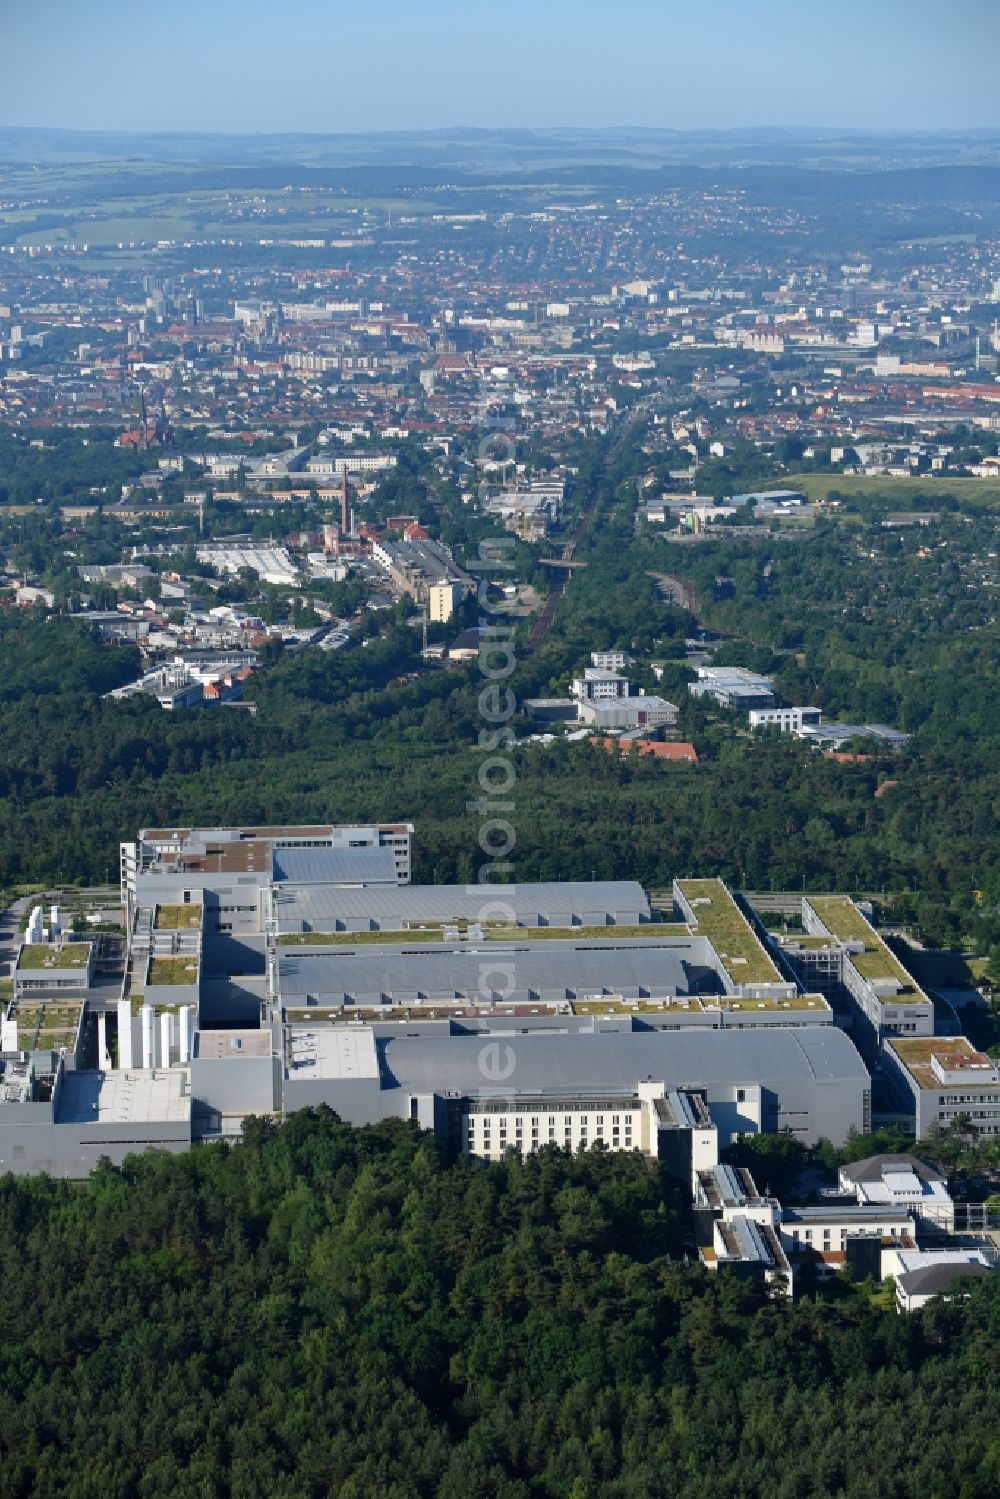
{"x": 329, "y": 1311}
{"x": 868, "y": 625}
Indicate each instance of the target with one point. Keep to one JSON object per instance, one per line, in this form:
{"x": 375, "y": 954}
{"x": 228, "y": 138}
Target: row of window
{"x": 486, "y": 1120}
{"x": 500, "y": 1147}
{"x": 894, "y": 1230}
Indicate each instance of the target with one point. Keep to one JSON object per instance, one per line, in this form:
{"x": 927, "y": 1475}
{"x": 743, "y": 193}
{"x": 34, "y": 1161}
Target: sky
{"x": 322, "y": 65}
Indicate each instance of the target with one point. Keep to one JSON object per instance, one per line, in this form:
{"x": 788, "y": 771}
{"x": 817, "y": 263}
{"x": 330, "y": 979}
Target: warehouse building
{"x": 733, "y": 687}
{"x": 312, "y": 908}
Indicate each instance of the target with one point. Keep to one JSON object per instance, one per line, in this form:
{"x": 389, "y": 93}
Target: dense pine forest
{"x": 322, "y": 1310}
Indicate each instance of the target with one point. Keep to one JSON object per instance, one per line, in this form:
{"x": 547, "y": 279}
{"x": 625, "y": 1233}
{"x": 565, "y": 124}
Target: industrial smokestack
{"x": 344, "y": 516}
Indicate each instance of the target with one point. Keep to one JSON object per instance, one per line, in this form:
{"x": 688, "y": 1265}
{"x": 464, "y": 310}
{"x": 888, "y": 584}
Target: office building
{"x": 786, "y": 720}
{"x": 733, "y": 687}
{"x": 597, "y": 685}
{"x": 944, "y": 1078}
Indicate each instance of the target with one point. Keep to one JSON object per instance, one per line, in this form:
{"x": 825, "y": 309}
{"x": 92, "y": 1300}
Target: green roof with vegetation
{"x": 650, "y": 929}
{"x": 47, "y": 1027}
{"x": 178, "y": 918}
{"x": 40, "y": 955}
{"x": 720, "y": 920}
{"x": 876, "y": 963}
{"x": 172, "y": 971}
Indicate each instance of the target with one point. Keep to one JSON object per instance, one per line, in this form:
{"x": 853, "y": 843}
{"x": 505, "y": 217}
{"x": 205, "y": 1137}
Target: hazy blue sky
{"x": 270, "y": 65}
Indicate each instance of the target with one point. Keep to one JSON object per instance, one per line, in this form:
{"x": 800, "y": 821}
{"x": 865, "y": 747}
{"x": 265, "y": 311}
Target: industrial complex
{"x": 267, "y": 969}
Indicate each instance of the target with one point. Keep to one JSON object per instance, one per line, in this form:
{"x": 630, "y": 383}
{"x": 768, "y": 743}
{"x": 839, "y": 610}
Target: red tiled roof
{"x": 656, "y": 748}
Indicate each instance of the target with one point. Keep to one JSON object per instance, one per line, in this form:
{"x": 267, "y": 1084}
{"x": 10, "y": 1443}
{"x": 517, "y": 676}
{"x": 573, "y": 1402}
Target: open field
{"x": 906, "y": 493}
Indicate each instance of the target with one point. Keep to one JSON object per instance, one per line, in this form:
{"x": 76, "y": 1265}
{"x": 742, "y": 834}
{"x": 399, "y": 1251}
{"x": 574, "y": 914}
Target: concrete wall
{"x": 231, "y": 956}
{"x": 233, "y": 1003}
{"x": 358, "y": 1101}
{"x": 73, "y": 1150}
{"x": 236, "y": 1084}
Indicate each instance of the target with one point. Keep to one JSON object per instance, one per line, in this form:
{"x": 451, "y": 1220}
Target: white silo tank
{"x": 166, "y": 1036}
{"x": 125, "y": 1049}
{"x": 103, "y": 1055}
{"x": 148, "y": 1015}
{"x": 54, "y": 927}
{"x": 186, "y": 1032}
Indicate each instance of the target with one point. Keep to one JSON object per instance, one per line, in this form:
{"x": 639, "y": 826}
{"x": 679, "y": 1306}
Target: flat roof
{"x": 181, "y": 969}
{"x": 158, "y": 1096}
{"x": 550, "y": 969}
{"x": 916, "y": 1053}
{"x": 847, "y": 1213}
{"x": 612, "y": 1062}
{"x": 232, "y": 1043}
{"x": 250, "y": 857}
{"x": 39, "y": 956}
{"x": 464, "y": 903}
{"x": 331, "y": 1052}
{"x": 720, "y": 919}
{"x": 334, "y": 866}
{"x": 840, "y": 915}
{"x": 178, "y": 917}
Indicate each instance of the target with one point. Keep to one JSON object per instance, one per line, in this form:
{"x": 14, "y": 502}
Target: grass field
{"x": 905, "y": 493}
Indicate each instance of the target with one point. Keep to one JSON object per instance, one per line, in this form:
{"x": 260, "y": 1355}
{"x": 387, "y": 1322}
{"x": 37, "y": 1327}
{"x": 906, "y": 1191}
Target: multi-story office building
{"x": 599, "y": 686}
{"x": 610, "y": 661}
{"x": 197, "y": 858}
{"x": 787, "y": 720}
{"x": 945, "y": 1078}
{"x": 733, "y": 687}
